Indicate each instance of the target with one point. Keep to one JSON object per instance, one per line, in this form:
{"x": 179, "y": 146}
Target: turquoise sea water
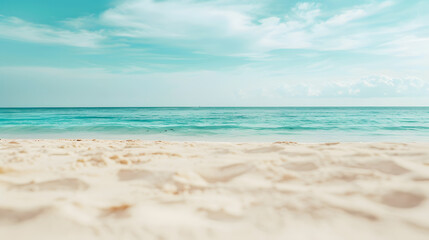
{"x": 305, "y": 124}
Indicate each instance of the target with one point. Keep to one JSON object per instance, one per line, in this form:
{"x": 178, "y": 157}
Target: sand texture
{"x": 101, "y": 189}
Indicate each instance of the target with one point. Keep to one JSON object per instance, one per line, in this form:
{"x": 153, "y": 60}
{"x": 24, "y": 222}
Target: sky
{"x": 119, "y": 53}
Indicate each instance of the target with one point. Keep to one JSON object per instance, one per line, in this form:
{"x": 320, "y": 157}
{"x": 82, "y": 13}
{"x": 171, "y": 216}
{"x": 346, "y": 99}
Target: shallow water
{"x": 305, "y": 124}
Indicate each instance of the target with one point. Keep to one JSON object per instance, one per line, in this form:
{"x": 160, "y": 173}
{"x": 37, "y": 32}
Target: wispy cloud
{"x": 17, "y": 29}
{"x": 213, "y": 27}
{"x": 236, "y": 28}
{"x": 406, "y": 46}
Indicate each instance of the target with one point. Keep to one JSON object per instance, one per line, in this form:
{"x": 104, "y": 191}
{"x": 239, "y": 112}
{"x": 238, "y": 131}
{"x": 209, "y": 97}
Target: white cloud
{"x": 230, "y": 28}
{"x": 356, "y": 13}
{"x": 370, "y": 87}
{"x": 406, "y": 46}
{"x": 174, "y": 19}
{"x": 215, "y": 27}
{"x": 81, "y": 22}
{"x": 346, "y": 17}
{"x": 17, "y": 29}
{"x": 377, "y": 86}
{"x": 306, "y": 11}
{"x": 203, "y": 26}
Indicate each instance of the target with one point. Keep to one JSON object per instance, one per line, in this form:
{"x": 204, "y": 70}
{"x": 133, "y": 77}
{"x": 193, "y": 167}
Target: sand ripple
{"x": 101, "y": 189}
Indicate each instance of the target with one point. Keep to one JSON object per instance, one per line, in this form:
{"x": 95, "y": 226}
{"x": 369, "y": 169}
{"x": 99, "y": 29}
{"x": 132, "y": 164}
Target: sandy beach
{"x": 132, "y": 189}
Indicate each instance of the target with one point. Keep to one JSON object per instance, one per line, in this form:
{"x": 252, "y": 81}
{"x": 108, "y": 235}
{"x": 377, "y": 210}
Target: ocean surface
{"x": 304, "y": 124}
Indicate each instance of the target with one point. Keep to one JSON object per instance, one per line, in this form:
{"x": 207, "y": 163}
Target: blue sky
{"x": 213, "y": 53}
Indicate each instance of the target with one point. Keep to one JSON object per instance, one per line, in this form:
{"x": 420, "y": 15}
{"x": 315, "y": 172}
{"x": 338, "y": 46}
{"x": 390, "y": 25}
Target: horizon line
{"x": 367, "y": 106}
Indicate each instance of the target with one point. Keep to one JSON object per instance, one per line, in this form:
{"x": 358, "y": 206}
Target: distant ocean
{"x": 304, "y": 124}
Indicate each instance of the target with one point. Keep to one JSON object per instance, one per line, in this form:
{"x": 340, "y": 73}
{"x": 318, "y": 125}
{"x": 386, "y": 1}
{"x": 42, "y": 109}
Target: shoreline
{"x": 208, "y": 140}
{"x": 140, "y": 189}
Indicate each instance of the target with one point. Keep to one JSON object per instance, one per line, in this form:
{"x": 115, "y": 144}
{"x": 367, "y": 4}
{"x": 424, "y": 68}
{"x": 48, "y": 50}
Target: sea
{"x": 230, "y": 124}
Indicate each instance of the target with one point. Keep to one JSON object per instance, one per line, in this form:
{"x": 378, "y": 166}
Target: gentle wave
{"x": 304, "y": 124}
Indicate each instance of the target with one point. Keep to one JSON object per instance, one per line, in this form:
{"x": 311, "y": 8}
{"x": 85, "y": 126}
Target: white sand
{"x": 65, "y": 189}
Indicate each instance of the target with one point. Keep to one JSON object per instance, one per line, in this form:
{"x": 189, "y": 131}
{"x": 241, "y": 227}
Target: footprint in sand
{"x": 222, "y": 214}
{"x": 6, "y": 170}
{"x": 65, "y": 184}
{"x": 225, "y": 173}
{"x": 265, "y": 149}
{"x": 400, "y": 199}
{"x": 300, "y": 166}
{"x": 16, "y": 216}
{"x": 157, "y": 178}
{"x": 387, "y": 167}
{"x": 119, "y": 211}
